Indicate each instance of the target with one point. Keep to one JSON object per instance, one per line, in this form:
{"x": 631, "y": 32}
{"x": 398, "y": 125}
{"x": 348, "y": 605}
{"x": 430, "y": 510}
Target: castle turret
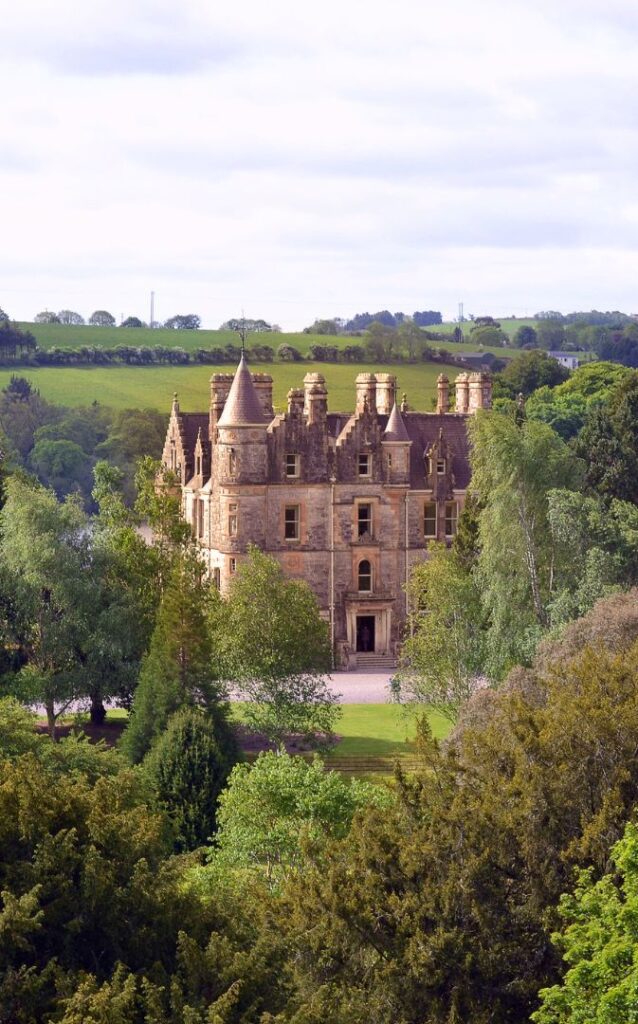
{"x": 396, "y": 448}
{"x": 442, "y": 394}
{"x": 241, "y": 452}
{"x": 461, "y": 385}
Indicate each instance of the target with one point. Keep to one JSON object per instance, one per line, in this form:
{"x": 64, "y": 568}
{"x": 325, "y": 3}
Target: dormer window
{"x": 293, "y": 465}
{"x": 364, "y": 464}
{"x": 198, "y": 465}
{"x": 440, "y": 467}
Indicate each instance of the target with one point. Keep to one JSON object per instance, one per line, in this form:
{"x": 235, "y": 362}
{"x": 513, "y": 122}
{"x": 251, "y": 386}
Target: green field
{"x": 152, "y": 386}
{"x": 62, "y": 336}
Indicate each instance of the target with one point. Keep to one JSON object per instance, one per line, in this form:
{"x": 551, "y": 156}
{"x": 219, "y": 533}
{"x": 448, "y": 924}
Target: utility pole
{"x": 461, "y": 317}
{"x": 152, "y": 309}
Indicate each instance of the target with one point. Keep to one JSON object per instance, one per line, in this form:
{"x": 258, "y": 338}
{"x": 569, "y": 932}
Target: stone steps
{"x": 372, "y": 660}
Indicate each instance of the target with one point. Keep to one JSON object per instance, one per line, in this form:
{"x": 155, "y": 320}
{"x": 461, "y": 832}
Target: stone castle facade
{"x": 348, "y": 502}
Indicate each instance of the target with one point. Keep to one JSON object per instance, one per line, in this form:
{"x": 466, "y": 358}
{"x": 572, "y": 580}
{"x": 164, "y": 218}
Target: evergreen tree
{"x": 180, "y": 669}
{"x": 188, "y": 766}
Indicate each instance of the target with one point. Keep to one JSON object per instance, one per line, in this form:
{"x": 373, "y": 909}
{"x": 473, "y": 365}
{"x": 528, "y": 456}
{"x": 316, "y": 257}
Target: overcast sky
{"x": 297, "y": 160}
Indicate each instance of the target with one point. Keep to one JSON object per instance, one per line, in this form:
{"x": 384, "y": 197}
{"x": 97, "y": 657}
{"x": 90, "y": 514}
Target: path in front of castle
{"x": 361, "y": 687}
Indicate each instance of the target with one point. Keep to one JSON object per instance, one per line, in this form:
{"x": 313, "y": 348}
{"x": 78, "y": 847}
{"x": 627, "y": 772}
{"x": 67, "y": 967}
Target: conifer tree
{"x": 188, "y": 767}
{"x": 179, "y": 669}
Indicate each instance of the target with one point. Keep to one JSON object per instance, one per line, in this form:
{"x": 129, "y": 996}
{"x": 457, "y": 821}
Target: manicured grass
{"x": 380, "y": 730}
{"x": 152, "y": 386}
{"x": 373, "y": 730}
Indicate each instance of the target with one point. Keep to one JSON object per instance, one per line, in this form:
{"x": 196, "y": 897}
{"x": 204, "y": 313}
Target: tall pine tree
{"x": 180, "y": 669}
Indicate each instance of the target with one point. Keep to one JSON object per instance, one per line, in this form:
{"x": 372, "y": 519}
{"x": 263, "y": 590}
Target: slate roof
{"x": 423, "y": 429}
{"x": 242, "y": 406}
{"x": 191, "y": 423}
{"x": 395, "y": 428}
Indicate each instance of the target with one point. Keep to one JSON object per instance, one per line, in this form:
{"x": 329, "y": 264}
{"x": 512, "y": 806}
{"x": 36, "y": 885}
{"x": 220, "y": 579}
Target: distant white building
{"x": 568, "y": 359}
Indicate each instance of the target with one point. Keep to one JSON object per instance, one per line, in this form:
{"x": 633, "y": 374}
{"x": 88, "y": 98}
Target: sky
{"x": 294, "y": 161}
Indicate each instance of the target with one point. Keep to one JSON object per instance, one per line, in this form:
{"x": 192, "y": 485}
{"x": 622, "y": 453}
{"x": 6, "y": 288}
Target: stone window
{"x": 232, "y": 565}
{"x": 173, "y": 455}
{"x": 389, "y": 460}
{"x": 365, "y": 576}
{"x": 440, "y": 467}
{"x": 198, "y": 465}
{"x": 364, "y": 520}
{"x": 451, "y": 516}
{"x": 292, "y": 465}
{"x": 364, "y": 464}
{"x": 291, "y": 522}
{"x": 199, "y": 516}
{"x": 429, "y": 520}
{"x": 232, "y": 462}
{"x": 217, "y": 578}
{"x": 232, "y": 520}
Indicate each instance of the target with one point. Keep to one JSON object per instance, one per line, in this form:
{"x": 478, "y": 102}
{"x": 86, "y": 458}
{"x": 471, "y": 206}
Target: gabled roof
{"x": 395, "y": 429}
{"x": 242, "y": 405}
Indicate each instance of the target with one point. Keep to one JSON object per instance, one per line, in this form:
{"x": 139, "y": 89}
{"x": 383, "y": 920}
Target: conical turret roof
{"x": 395, "y": 429}
{"x": 242, "y": 407}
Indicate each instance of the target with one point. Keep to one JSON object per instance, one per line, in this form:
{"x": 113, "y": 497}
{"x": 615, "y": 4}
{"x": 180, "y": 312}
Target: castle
{"x": 346, "y": 501}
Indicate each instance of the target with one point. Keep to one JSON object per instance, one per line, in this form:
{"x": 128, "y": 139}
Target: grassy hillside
{"x": 153, "y": 386}
{"x": 62, "y": 336}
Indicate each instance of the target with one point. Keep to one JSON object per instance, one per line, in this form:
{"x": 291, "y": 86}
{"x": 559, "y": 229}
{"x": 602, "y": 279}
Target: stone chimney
{"x": 296, "y": 401}
{"x": 461, "y": 385}
{"x": 480, "y": 389}
{"x": 315, "y": 397}
{"x": 442, "y": 393}
{"x": 263, "y": 387}
{"x": 220, "y": 384}
{"x": 385, "y": 392}
{"x": 366, "y": 386}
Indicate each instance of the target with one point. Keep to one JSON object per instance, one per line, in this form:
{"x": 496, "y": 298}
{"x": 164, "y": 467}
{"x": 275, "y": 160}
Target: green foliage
{"x": 439, "y": 909}
{"x": 276, "y": 808}
{"x": 527, "y": 372}
{"x": 180, "y": 669}
{"x": 187, "y": 767}
{"x": 514, "y": 468}
{"x": 276, "y": 647}
{"x": 444, "y": 649}
{"x": 599, "y": 944}
{"x": 609, "y": 443}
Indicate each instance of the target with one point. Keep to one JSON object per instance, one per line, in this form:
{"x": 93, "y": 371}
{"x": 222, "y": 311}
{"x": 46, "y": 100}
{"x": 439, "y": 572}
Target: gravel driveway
{"x": 361, "y": 687}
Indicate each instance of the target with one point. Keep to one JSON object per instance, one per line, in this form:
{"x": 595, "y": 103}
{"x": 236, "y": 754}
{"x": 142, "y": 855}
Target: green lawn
{"x": 380, "y": 730}
{"x": 152, "y": 386}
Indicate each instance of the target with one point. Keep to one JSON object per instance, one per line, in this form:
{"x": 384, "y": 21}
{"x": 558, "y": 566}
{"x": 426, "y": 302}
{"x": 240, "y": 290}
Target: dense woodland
{"x": 167, "y": 881}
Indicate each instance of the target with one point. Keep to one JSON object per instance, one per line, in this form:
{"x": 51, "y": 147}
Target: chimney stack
{"x": 442, "y": 393}
{"x": 366, "y": 386}
{"x": 385, "y": 392}
{"x": 461, "y": 385}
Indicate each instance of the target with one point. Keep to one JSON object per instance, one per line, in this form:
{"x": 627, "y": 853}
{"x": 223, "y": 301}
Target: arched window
{"x": 365, "y": 576}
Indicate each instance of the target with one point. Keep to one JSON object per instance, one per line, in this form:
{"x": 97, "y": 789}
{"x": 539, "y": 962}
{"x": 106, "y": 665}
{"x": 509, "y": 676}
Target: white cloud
{"x": 300, "y": 161}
